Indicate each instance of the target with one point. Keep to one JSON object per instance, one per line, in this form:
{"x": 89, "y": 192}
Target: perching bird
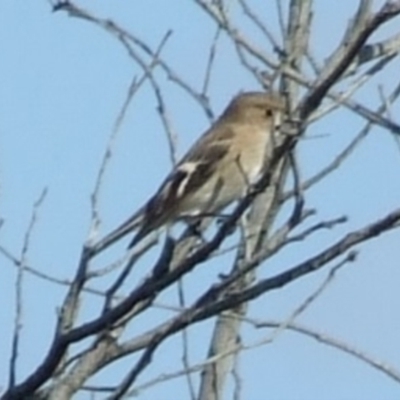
{"x": 217, "y": 170}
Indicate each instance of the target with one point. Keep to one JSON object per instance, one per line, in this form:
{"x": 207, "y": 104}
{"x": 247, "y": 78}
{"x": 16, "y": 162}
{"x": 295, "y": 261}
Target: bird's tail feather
{"x": 128, "y": 226}
{"x": 141, "y": 234}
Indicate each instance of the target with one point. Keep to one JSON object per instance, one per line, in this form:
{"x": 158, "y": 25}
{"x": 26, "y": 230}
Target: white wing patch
{"x": 188, "y": 167}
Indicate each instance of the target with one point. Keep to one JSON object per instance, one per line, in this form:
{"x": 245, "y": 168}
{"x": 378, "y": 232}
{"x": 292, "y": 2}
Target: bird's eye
{"x": 268, "y": 112}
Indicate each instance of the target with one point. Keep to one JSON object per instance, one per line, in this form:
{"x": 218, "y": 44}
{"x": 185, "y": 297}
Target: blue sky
{"x": 63, "y": 84}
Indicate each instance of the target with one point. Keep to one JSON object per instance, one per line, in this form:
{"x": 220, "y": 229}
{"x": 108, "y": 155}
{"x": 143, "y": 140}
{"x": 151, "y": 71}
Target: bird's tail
{"x": 128, "y": 226}
{"x": 143, "y": 231}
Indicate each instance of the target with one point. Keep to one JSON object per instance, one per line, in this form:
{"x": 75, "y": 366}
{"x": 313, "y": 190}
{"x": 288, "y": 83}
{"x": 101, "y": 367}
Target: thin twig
{"x": 341, "y": 345}
{"x": 386, "y": 101}
{"x": 210, "y": 61}
{"x": 185, "y": 344}
{"x": 259, "y": 24}
{"x": 18, "y": 319}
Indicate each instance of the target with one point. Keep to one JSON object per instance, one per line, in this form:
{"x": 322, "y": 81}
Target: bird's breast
{"x": 251, "y": 151}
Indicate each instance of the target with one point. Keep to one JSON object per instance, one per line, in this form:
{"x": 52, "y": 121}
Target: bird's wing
{"x": 193, "y": 171}
{"x": 190, "y": 174}
{"x": 219, "y": 135}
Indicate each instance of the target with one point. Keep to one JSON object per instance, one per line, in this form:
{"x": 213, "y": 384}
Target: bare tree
{"x": 267, "y": 221}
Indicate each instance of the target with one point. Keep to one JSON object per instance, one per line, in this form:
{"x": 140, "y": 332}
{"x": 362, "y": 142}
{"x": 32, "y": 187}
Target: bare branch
{"x": 388, "y": 11}
{"x": 341, "y": 345}
{"x": 19, "y": 291}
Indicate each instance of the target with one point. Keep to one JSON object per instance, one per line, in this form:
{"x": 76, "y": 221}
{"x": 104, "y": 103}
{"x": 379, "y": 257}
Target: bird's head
{"x": 255, "y": 107}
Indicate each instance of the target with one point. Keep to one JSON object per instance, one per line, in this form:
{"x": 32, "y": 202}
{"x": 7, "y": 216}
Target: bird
{"x": 217, "y": 170}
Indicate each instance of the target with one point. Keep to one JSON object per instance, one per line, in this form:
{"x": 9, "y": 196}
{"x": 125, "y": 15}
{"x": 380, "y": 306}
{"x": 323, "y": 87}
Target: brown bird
{"x": 217, "y": 170}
